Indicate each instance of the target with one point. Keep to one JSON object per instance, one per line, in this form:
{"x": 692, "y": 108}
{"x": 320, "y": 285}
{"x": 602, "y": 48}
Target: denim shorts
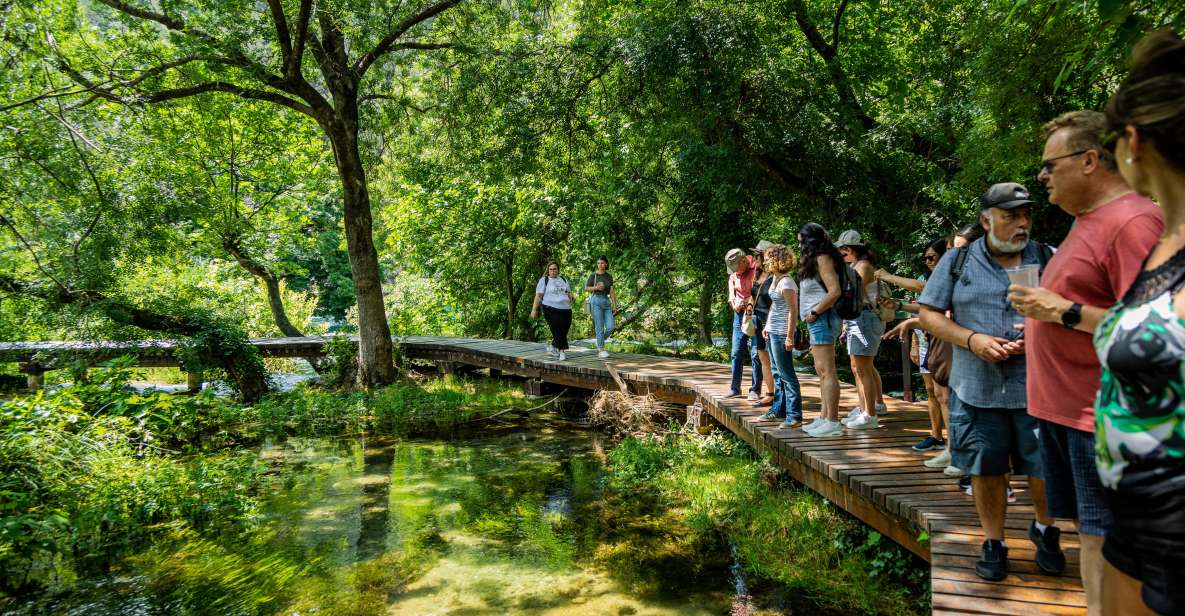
{"x": 984, "y": 440}
{"x": 864, "y": 334}
{"x": 1072, "y": 486}
{"x": 825, "y": 329}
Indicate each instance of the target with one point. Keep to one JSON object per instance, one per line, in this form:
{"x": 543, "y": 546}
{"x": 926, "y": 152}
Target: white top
{"x": 872, "y": 292}
{"x": 555, "y": 292}
{"x": 779, "y": 311}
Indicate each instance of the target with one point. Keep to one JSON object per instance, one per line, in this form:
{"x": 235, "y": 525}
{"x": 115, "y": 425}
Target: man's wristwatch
{"x": 813, "y": 313}
{"x": 1072, "y": 316}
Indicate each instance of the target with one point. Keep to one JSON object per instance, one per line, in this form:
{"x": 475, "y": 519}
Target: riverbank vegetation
{"x": 804, "y": 555}
{"x": 189, "y": 501}
{"x": 90, "y": 472}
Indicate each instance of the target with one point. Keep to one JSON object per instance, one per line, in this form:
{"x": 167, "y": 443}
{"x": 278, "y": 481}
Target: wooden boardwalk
{"x": 873, "y": 475}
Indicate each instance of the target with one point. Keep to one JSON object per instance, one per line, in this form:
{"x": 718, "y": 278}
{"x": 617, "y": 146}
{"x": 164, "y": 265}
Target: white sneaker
{"x": 863, "y": 422}
{"x": 818, "y": 421}
{"x": 603, "y": 354}
{"x": 753, "y": 397}
{"x": 939, "y": 461}
{"x": 881, "y": 409}
{"x": 854, "y": 413}
{"x": 830, "y": 428}
{"x": 550, "y": 349}
{"x": 952, "y": 471}
{"x": 562, "y": 357}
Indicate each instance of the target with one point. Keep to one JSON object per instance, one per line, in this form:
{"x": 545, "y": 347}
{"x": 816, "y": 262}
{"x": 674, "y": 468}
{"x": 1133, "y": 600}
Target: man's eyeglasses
{"x": 1047, "y": 165}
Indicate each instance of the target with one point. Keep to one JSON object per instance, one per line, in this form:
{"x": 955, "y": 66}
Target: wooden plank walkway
{"x": 873, "y": 475}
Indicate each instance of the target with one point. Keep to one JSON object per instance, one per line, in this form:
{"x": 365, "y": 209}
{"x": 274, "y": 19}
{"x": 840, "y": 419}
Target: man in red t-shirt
{"x": 1114, "y": 230}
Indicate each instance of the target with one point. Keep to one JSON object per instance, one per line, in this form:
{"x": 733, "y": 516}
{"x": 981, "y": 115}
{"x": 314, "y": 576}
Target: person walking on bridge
{"x": 741, "y": 270}
{"x": 1114, "y": 230}
{"x": 989, "y": 427}
{"x": 602, "y": 303}
{"x": 555, "y": 296}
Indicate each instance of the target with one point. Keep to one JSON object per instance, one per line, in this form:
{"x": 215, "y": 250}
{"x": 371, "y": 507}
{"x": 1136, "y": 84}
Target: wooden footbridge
{"x": 873, "y": 474}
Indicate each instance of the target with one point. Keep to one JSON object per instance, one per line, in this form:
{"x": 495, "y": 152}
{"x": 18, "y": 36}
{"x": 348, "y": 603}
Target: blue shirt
{"x": 979, "y": 301}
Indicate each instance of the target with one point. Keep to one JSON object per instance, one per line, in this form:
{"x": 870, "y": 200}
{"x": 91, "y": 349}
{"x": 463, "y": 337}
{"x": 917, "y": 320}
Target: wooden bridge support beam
{"x": 193, "y": 381}
{"x": 35, "y": 373}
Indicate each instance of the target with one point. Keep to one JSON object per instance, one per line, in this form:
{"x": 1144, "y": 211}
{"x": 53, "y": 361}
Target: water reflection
{"x": 511, "y": 520}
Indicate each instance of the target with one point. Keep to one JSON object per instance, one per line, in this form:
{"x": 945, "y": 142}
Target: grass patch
{"x": 819, "y": 557}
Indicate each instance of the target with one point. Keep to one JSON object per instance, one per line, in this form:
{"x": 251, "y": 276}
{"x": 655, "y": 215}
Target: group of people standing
{"x": 1065, "y": 365}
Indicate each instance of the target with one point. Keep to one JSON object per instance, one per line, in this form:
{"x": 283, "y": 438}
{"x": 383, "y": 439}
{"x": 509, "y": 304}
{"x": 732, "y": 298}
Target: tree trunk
{"x": 705, "y": 313}
{"x": 376, "y": 364}
{"x": 511, "y": 297}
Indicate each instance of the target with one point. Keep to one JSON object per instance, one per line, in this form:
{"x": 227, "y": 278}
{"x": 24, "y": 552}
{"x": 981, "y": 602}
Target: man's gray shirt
{"x": 979, "y": 301}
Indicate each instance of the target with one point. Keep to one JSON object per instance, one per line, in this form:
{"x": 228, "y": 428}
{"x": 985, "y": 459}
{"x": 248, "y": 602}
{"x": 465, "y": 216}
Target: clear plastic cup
{"x": 1025, "y": 275}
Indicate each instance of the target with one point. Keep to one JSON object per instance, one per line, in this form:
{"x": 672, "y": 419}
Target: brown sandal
{"x": 764, "y": 401}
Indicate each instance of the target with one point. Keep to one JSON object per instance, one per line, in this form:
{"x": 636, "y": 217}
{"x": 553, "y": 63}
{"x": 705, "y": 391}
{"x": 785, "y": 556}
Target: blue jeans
{"x": 741, "y": 348}
{"x": 787, "y": 392}
{"x": 602, "y": 316}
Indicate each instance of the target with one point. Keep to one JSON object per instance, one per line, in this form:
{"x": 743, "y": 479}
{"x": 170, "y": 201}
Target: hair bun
{"x": 1158, "y": 53}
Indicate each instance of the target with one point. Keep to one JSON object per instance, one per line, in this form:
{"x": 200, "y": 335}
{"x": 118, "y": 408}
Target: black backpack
{"x": 851, "y": 294}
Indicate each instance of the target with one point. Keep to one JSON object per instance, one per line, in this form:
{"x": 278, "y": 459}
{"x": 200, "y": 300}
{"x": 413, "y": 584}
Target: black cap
{"x": 1006, "y": 196}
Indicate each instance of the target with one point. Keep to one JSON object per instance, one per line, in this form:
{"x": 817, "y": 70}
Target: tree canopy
{"x": 412, "y": 166}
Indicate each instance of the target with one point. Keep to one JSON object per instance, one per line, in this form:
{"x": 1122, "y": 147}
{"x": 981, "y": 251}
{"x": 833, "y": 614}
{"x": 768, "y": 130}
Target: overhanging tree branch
{"x": 282, "y": 36}
{"x": 388, "y": 41}
{"x": 292, "y": 68}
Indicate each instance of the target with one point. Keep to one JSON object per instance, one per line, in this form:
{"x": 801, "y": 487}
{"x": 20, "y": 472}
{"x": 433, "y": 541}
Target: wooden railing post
{"x": 906, "y": 368}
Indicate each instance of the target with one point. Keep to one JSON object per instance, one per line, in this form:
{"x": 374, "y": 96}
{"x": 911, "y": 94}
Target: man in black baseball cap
{"x": 1006, "y": 216}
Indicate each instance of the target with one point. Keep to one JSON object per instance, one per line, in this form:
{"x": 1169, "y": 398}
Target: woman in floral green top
{"x": 1140, "y": 409}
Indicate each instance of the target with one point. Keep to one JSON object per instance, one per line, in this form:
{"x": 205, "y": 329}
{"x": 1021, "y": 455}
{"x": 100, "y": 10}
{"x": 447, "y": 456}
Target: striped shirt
{"x": 979, "y": 302}
{"x": 779, "y": 312}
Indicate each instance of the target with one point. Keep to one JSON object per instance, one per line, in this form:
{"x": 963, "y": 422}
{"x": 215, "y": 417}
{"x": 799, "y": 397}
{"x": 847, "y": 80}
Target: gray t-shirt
{"x": 555, "y": 292}
{"x": 605, "y": 278}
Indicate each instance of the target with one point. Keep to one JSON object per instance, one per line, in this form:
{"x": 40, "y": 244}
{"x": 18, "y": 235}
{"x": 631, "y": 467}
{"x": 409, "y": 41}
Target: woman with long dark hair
{"x": 1140, "y": 407}
{"x": 819, "y": 280}
{"x": 602, "y": 303}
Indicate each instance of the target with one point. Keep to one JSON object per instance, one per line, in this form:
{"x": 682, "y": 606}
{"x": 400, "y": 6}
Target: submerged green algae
{"x": 512, "y": 520}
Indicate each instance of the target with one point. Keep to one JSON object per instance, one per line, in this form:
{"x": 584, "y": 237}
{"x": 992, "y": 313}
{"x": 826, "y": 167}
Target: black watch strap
{"x": 1072, "y": 316}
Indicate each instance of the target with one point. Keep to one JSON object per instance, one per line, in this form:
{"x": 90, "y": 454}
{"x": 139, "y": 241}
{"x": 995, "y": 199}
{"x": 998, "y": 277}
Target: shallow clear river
{"x": 510, "y": 520}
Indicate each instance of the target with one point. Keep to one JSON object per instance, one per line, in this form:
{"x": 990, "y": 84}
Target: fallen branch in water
{"x": 515, "y": 408}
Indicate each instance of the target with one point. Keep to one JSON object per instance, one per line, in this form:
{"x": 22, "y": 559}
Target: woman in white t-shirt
{"x": 555, "y": 296}
{"x": 779, "y": 335}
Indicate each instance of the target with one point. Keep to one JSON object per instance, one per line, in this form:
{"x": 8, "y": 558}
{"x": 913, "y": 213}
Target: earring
{"x": 1128, "y": 160}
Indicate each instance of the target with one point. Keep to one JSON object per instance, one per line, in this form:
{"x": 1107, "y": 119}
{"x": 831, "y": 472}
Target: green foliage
{"x": 782, "y": 533}
{"x": 84, "y": 477}
{"x": 401, "y": 409}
